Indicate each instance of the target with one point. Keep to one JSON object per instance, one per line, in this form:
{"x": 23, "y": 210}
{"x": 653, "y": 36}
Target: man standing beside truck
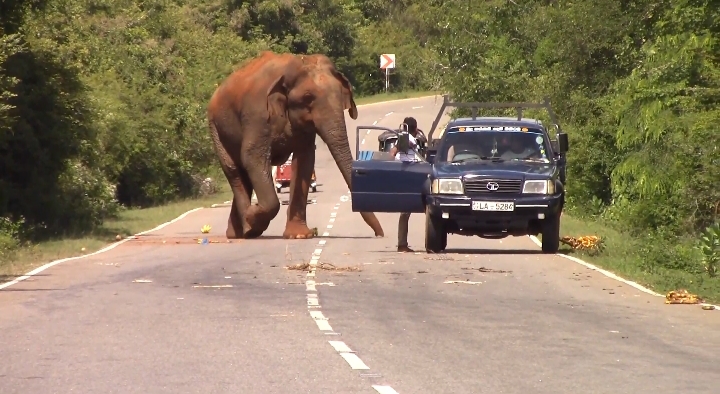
{"x": 407, "y": 155}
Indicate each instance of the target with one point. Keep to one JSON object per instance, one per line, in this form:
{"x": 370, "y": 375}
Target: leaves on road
{"x": 483, "y": 269}
{"x": 322, "y": 266}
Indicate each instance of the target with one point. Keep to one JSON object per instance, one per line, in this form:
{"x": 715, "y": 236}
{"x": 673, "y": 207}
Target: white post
{"x": 387, "y": 79}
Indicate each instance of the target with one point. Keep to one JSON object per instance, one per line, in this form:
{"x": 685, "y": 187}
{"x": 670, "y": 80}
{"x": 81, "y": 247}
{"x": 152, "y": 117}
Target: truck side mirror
{"x": 430, "y": 156}
{"x": 563, "y": 143}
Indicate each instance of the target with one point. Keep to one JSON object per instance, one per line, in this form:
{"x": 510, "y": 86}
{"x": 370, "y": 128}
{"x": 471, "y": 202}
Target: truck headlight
{"x": 539, "y": 187}
{"x": 446, "y": 186}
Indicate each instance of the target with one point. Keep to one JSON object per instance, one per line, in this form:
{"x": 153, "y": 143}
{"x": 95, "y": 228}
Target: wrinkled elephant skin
{"x": 271, "y": 107}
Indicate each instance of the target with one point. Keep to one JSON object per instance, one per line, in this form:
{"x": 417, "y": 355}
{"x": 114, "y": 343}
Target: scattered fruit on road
{"x": 588, "y": 242}
{"x": 681, "y": 297}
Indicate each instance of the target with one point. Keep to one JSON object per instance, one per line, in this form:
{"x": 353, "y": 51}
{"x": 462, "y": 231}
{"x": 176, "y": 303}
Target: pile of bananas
{"x": 590, "y": 243}
{"x": 681, "y": 297}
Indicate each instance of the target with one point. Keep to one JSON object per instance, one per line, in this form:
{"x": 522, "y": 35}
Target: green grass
{"x": 132, "y": 221}
{"x": 128, "y": 222}
{"x": 392, "y": 96}
{"x": 658, "y": 265}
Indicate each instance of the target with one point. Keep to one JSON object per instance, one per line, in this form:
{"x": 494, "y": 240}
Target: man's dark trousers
{"x": 403, "y": 229}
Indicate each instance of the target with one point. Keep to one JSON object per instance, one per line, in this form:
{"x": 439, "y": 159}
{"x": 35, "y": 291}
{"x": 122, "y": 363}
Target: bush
{"x": 88, "y": 196}
{"x": 9, "y": 237}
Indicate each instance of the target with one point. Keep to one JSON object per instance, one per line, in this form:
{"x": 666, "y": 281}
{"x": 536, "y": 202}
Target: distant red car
{"x": 283, "y": 174}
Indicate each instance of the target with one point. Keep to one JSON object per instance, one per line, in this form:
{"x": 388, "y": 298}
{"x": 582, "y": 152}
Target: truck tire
{"x": 435, "y": 235}
{"x": 551, "y": 234}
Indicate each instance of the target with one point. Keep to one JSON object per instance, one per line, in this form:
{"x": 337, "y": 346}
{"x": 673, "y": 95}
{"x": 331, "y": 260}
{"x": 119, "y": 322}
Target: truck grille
{"x": 480, "y": 186}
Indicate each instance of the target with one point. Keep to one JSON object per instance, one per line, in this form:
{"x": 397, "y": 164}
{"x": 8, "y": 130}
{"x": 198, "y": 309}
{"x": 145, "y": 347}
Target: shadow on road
{"x": 8, "y": 278}
{"x": 301, "y": 239}
{"x": 492, "y": 251}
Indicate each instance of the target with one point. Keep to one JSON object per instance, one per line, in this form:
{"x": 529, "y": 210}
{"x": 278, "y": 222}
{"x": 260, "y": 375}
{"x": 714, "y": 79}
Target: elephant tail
{"x": 225, "y": 160}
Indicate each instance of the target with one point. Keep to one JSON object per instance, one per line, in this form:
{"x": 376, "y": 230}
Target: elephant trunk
{"x": 335, "y": 137}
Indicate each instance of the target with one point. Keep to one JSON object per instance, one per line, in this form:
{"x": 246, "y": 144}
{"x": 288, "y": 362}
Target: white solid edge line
{"x": 384, "y": 389}
{"x": 116, "y": 244}
{"x": 608, "y": 273}
{"x": 103, "y": 250}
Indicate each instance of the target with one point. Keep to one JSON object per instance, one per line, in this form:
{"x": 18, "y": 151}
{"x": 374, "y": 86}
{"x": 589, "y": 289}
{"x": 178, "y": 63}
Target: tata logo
{"x": 492, "y": 186}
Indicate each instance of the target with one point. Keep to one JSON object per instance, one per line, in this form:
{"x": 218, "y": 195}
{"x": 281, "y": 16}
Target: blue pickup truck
{"x": 490, "y": 177}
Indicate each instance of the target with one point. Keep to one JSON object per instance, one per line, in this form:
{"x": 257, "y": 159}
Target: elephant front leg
{"x": 258, "y": 216}
{"x": 303, "y": 164}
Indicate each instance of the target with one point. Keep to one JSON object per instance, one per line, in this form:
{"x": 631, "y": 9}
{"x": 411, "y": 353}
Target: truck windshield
{"x": 463, "y": 144}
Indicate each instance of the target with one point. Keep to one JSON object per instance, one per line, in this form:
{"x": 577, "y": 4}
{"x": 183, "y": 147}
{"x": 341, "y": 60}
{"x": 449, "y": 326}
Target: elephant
{"x": 266, "y": 110}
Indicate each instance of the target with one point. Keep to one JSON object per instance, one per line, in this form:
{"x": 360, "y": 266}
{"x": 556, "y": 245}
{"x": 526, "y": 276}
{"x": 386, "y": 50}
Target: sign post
{"x": 387, "y": 61}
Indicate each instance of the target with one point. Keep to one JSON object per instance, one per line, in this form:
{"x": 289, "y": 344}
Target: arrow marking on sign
{"x": 388, "y": 61}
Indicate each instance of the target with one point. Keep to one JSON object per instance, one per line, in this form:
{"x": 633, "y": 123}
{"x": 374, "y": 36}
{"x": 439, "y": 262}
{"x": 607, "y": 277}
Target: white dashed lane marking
{"x": 340, "y": 347}
{"x": 322, "y": 322}
{"x": 354, "y": 361}
{"x": 384, "y": 389}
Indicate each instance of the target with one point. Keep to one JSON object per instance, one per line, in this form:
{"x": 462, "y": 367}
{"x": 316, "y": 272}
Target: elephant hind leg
{"x": 242, "y": 190}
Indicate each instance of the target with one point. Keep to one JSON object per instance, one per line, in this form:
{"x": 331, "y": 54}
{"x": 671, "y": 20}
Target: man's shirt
{"x": 410, "y": 156}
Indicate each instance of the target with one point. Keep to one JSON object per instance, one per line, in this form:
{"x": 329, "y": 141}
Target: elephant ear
{"x": 348, "y": 101}
{"x": 277, "y": 106}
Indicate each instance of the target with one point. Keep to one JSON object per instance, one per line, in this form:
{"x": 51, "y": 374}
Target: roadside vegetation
{"x": 102, "y": 105}
{"x": 636, "y": 85}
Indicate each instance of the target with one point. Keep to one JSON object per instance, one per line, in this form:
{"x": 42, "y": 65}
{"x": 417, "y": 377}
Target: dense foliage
{"x": 636, "y": 84}
{"x": 101, "y": 102}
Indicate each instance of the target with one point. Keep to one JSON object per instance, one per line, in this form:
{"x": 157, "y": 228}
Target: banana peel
{"x": 205, "y": 229}
{"x": 681, "y": 297}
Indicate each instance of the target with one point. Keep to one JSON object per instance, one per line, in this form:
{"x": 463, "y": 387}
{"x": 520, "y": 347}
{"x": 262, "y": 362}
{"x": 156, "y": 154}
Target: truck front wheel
{"x": 435, "y": 235}
{"x": 551, "y": 234}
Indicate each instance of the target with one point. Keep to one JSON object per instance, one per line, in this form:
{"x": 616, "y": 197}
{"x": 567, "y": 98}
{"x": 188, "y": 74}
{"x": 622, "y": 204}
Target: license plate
{"x": 493, "y": 206}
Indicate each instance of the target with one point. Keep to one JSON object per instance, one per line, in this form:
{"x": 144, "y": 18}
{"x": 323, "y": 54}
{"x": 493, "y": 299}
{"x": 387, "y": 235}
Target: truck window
{"x": 461, "y": 144}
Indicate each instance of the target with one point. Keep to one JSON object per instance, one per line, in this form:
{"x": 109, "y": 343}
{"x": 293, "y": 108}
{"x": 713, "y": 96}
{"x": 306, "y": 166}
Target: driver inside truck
{"x": 517, "y": 146}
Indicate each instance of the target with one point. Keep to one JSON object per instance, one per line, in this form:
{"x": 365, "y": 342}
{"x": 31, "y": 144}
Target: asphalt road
{"x": 522, "y": 323}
